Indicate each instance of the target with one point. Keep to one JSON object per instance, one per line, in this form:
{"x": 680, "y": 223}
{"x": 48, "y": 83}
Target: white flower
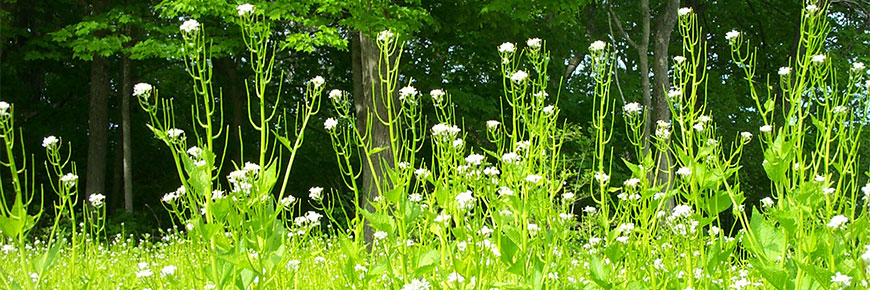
{"x": 313, "y": 217}
{"x": 732, "y": 35}
{"x": 245, "y": 9}
{"x": 812, "y": 8}
{"x": 317, "y": 81}
{"x": 679, "y": 59}
{"x": 866, "y": 190}
{"x": 385, "y": 35}
{"x": 49, "y": 142}
{"x": 819, "y": 58}
{"x": 330, "y": 124}
{"x": 251, "y": 167}
{"x": 491, "y": 171}
{"x": 569, "y": 196}
{"x": 625, "y": 228}
{"x": 698, "y": 126}
{"x": 858, "y": 66}
{"x": 534, "y": 43}
{"x": 840, "y": 109}
{"x": 784, "y": 71}
{"x": 415, "y": 197}
{"x": 766, "y": 202}
{"x": 828, "y": 190}
{"x": 838, "y": 222}
{"x": 4, "y": 108}
{"x": 444, "y": 130}
{"x": 765, "y": 129}
{"x": 533, "y": 228}
{"x": 601, "y": 177}
{"x": 168, "y": 270}
{"x": 474, "y": 158}
{"x": 407, "y": 93}
{"x": 465, "y": 200}
{"x": 455, "y": 278}
{"x": 684, "y": 171}
{"x": 510, "y": 157}
{"x": 380, "y": 235}
{"x": 506, "y": 47}
{"x": 590, "y": 210}
{"x": 540, "y": 95}
{"x": 142, "y": 89}
{"x": 144, "y": 273}
{"x": 175, "y": 134}
{"x": 97, "y": 199}
{"x": 519, "y": 76}
{"x": 417, "y": 284}
{"x": 194, "y": 152}
{"x": 674, "y": 93}
{"x": 422, "y": 173}
{"x": 746, "y": 136}
{"x": 335, "y": 95}
{"x": 442, "y": 218}
{"x": 315, "y": 193}
{"x": 841, "y": 279}
{"x": 684, "y": 11}
{"x": 598, "y": 45}
{"x": 485, "y": 231}
{"x": 865, "y": 256}
{"x": 505, "y": 191}
{"x": 631, "y": 182}
{"x": 458, "y": 143}
{"x": 631, "y": 108}
{"x": 681, "y": 211}
{"x": 549, "y": 109}
{"x": 492, "y": 124}
{"x": 437, "y": 95}
{"x": 189, "y": 26}
{"x": 69, "y": 179}
{"x": 287, "y": 201}
{"x": 534, "y": 178}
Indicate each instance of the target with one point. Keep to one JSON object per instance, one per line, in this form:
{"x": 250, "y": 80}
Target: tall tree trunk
{"x": 126, "y": 94}
{"x": 98, "y": 123}
{"x": 366, "y": 84}
{"x": 664, "y": 26}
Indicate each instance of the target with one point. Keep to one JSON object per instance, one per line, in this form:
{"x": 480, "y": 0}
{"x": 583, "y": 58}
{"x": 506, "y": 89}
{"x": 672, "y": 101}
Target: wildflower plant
{"x": 807, "y": 237}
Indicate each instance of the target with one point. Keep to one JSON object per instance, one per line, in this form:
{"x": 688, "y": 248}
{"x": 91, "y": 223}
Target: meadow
{"x": 474, "y": 218}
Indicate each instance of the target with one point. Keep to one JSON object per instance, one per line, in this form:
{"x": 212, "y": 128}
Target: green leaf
{"x": 769, "y": 241}
{"x": 600, "y": 274}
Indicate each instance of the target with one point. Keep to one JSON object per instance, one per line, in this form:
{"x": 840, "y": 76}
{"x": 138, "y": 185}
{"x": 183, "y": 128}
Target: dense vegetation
{"x": 729, "y": 156}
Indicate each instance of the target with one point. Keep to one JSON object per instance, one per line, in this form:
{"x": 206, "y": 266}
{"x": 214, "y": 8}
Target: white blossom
{"x": 385, "y": 35}
{"x": 474, "y": 158}
{"x": 838, "y": 222}
{"x": 50, "y": 142}
{"x": 168, "y": 270}
{"x": 189, "y": 26}
{"x": 819, "y": 58}
{"x": 766, "y": 202}
{"x": 784, "y": 71}
{"x": 633, "y": 182}
{"x": 69, "y": 179}
{"x": 746, "y": 136}
{"x": 841, "y": 279}
{"x": 684, "y": 171}
{"x": 765, "y": 129}
{"x": 507, "y": 47}
{"x": 317, "y": 81}
{"x": 519, "y": 76}
{"x": 684, "y": 11}
{"x": 97, "y": 199}
{"x": 549, "y": 109}
{"x": 417, "y": 284}
{"x": 315, "y": 193}
{"x": 534, "y": 178}
{"x": 631, "y": 108}
{"x": 330, "y": 124}
{"x": 858, "y": 66}
{"x": 505, "y": 191}
{"x": 245, "y": 9}
{"x": 335, "y": 95}
{"x": 465, "y": 200}
{"x": 598, "y": 45}
{"x": 142, "y": 89}
{"x": 437, "y": 95}
{"x": 732, "y": 35}
{"x": 534, "y": 43}
{"x": 407, "y": 93}
{"x": 492, "y": 124}
{"x": 812, "y": 8}
{"x": 4, "y": 108}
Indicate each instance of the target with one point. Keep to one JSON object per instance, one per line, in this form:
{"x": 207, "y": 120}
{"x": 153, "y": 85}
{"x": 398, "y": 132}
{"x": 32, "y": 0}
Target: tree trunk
{"x": 661, "y": 83}
{"x": 126, "y": 94}
{"x": 366, "y": 84}
{"x": 98, "y": 124}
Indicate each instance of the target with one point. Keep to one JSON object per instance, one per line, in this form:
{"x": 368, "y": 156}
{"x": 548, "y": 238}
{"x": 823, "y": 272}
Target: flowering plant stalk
{"x": 805, "y": 233}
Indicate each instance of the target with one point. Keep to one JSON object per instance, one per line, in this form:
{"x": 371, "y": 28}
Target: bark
{"x": 366, "y": 82}
{"x": 98, "y": 124}
{"x": 126, "y": 94}
{"x": 664, "y": 27}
